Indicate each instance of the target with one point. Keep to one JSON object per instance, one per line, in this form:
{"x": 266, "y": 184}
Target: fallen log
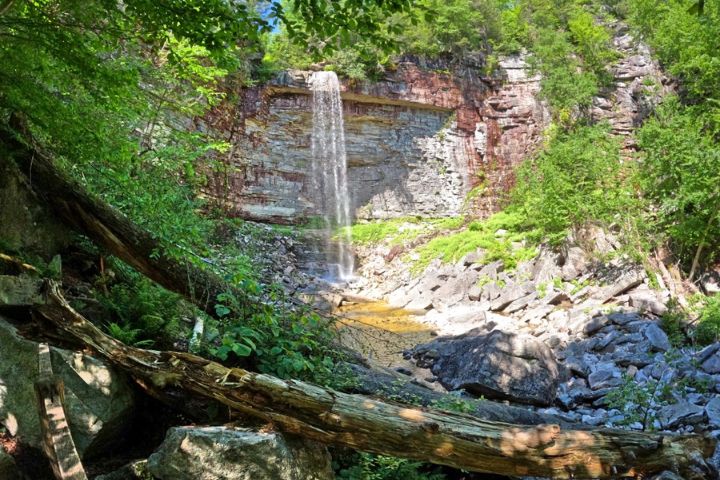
{"x": 371, "y": 425}
{"x": 110, "y": 229}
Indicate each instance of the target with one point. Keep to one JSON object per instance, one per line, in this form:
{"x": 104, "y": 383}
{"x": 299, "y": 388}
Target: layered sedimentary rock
{"x": 418, "y": 142}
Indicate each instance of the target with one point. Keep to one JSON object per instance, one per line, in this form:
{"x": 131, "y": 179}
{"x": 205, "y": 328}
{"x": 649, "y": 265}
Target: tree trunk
{"x": 371, "y": 425}
{"x": 58, "y": 443}
{"x": 110, "y": 229}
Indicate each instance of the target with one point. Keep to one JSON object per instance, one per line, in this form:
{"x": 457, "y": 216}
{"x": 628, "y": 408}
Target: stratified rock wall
{"x": 417, "y": 143}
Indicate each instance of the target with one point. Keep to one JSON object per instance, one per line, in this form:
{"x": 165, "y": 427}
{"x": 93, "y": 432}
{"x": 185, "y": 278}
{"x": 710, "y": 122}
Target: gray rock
{"x": 647, "y": 302}
{"x": 595, "y": 324}
{"x": 8, "y": 469}
{"x": 605, "y": 377}
{"x": 498, "y": 365}
{"x": 490, "y": 270}
{"x": 709, "y": 359}
{"x": 623, "y": 319}
{"x": 475, "y": 292}
{"x": 545, "y": 267}
{"x": 712, "y": 410}
{"x": 535, "y": 315}
{"x": 520, "y": 303}
{"x": 629, "y": 280}
{"x": 556, "y": 297}
{"x": 210, "y": 453}
{"x": 626, "y": 358}
{"x": 592, "y": 421}
{"x": 454, "y": 290}
{"x": 137, "y": 470}
{"x": 508, "y": 295}
{"x": 657, "y": 338}
{"x": 491, "y": 291}
{"x": 20, "y": 290}
{"x": 707, "y": 352}
{"x": 419, "y": 304}
{"x": 574, "y": 263}
{"x": 98, "y": 401}
{"x": 681, "y": 413}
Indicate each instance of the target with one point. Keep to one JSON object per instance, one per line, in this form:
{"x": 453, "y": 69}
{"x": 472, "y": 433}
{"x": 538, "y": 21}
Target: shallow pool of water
{"x": 381, "y": 332}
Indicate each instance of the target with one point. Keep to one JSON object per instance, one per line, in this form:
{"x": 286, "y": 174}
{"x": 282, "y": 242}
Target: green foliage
{"x": 430, "y": 29}
{"x": 128, "y": 335}
{"x": 708, "y": 327}
{"x": 366, "y": 466}
{"x": 399, "y": 231}
{"x": 576, "y": 180}
{"x": 145, "y": 314}
{"x": 285, "y": 342}
{"x": 684, "y": 41}
{"x": 479, "y": 235}
{"x": 569, "y": 46}
{"x": 564, "y": 84}
{"x": 681, "y": 172}
{"x": 455, "y": 402}
{"x": 638, "y": 402}
{"x": 672, "y": 322}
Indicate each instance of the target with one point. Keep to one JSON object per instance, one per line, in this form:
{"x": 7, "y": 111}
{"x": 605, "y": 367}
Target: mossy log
{"x": 372, "y": 425}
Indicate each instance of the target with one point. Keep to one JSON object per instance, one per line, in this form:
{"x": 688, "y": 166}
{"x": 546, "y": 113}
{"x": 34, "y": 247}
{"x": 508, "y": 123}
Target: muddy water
{"x": 381, "y": 332}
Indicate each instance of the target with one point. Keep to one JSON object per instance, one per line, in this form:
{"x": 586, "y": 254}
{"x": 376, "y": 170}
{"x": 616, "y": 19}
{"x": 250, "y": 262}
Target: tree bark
{"x": 371, "y": 425}
{"x": 58, "y": 443}
{"x": 112, "y": 230}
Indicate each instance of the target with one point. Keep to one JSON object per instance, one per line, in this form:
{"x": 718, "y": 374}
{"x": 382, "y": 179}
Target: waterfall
{"x": 329, "y": 171}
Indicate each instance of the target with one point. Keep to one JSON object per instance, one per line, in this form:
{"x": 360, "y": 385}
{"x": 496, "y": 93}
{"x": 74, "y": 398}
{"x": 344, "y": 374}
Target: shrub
{"x": 366, "y": 466}
{"x": 577, "y": 179}
{"x": 708, "y": 327}
{"x": 145, "y": 314}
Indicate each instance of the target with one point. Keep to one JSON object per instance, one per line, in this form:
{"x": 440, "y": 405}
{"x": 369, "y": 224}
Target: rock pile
{"x": 578, "y": 336}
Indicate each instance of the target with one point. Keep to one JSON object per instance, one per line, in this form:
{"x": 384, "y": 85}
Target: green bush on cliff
{"x": 578, "y": 179}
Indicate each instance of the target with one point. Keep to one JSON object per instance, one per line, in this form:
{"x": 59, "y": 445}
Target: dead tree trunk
{"x": 109, "y": 228}
{"x": 372, "y": 425}
{"x": 58, "y": 443}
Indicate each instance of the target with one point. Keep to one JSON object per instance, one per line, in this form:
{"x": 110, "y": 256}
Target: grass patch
{"x": 483, "y": 235}
{"x": 397, "y": 231}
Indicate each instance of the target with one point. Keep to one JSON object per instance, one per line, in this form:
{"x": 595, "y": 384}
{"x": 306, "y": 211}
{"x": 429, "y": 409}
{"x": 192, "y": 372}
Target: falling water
{"x": 330, "y": 171}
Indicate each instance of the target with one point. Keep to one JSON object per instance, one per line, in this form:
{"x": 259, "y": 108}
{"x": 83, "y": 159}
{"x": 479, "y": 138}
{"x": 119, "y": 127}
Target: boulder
{"x": 136, "y": 470}
{"x": 98, "y": 401}
{"x": 647, "y": 302}
{"x": 658, "y": 339}
{"x": 210, "y": 453}
{"x": 605, "y": 376}
{"x": 499, "y": 364}
{"x": 681, "y": 413}
{"x": 709, "y": 359}
{"x": 712, "y": 410}
{"x": 8, "y": 469}
{"x": 574, "y": 263}
{"x": 509, "y": 295}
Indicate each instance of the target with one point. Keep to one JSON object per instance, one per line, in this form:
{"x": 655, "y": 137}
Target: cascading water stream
{"x": 330, "y": 172}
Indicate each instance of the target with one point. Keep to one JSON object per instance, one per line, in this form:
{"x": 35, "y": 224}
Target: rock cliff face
{"x": 418, "y": 142}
